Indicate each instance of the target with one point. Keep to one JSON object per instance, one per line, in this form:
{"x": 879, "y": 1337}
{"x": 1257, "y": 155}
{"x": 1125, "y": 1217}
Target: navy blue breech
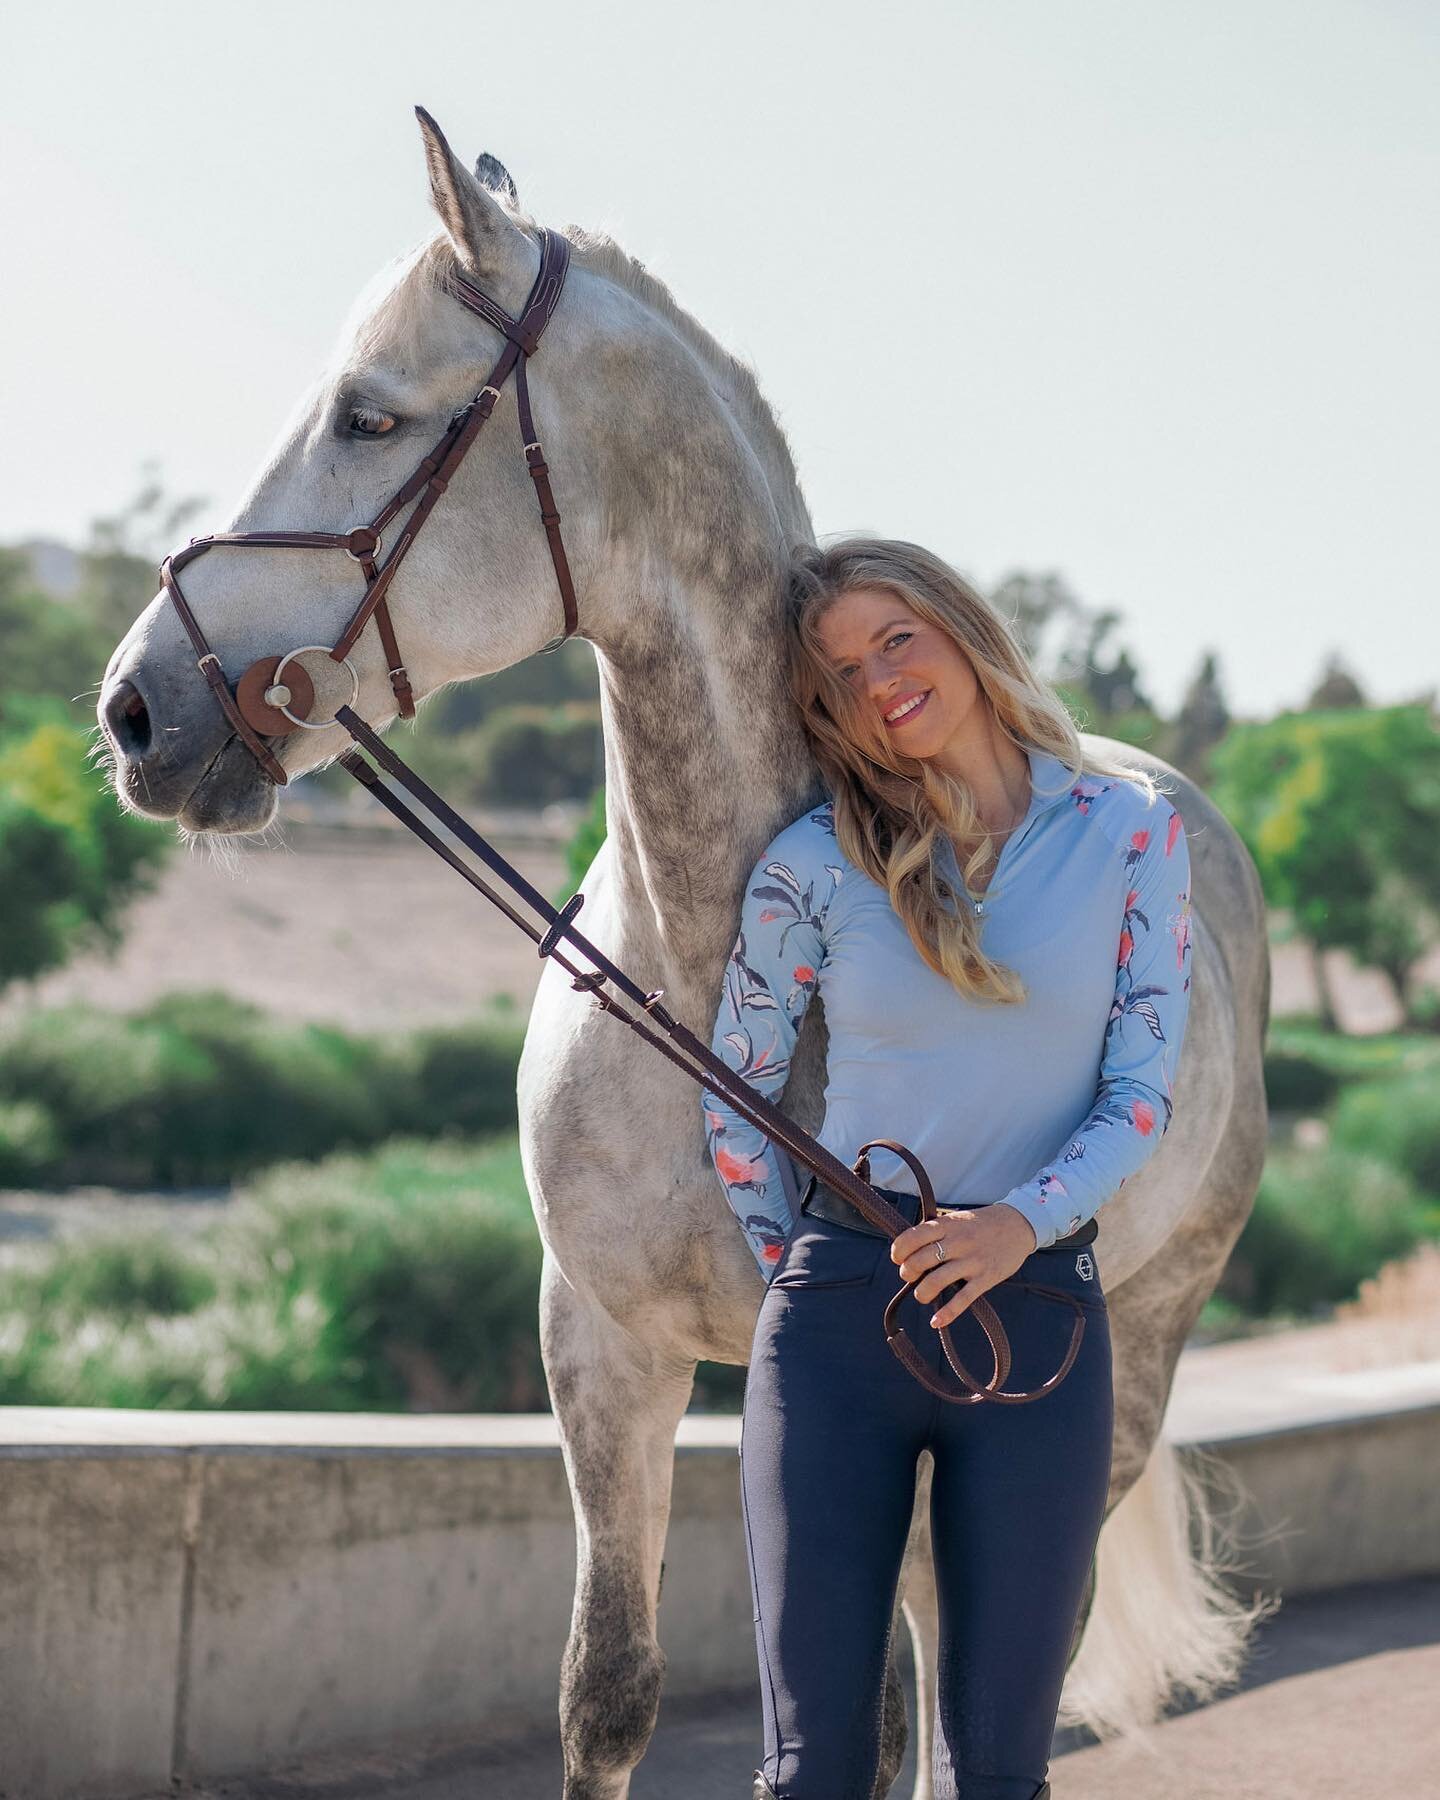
{"x": 832, "y": 1429}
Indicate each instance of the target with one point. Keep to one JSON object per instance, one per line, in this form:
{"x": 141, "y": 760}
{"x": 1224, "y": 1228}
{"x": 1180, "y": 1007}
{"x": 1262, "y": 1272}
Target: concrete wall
{"x": 194, "y": 1595}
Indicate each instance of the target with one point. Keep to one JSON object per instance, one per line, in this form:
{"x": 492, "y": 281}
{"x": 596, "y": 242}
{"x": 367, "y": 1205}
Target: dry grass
{"x": 1395, "y": 1317}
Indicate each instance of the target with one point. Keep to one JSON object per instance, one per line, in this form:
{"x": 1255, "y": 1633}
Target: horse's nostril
{"x": 127, "y": 719}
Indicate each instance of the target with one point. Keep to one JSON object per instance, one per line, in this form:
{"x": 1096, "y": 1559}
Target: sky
{"x": 1139, "y": 292}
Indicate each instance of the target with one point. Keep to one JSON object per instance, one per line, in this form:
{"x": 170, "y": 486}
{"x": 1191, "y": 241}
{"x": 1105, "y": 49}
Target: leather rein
{"x": 266, "y": 700}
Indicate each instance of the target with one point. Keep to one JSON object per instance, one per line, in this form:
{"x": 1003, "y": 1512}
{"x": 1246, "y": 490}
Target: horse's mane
{"x": 736, "y": 378}
{"x": 389, "y": 311}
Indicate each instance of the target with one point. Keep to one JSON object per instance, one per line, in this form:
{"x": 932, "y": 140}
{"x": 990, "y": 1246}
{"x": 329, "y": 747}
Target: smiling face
{"x": 909, "y": 677}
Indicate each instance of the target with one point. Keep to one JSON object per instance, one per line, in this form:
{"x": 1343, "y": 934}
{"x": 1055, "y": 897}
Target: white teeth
{"x": 900, "y": 711}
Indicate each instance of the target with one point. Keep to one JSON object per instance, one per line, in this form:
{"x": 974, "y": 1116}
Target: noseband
{"x": 267, "y": 700}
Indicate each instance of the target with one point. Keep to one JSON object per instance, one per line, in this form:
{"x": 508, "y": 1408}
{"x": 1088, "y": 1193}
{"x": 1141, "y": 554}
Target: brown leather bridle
{"x": 262, "y": 703}
{"x": 268, "y": 701}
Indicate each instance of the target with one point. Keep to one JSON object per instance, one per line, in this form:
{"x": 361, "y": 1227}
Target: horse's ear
{"x": 485, "y": 239}
{"x": 491, "y": 173}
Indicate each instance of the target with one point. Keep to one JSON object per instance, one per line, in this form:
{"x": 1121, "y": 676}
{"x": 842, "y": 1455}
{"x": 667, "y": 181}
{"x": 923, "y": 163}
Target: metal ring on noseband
{"x": 311, "y": 724}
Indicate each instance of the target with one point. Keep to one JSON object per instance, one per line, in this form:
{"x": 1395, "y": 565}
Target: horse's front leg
{"x": 617, "y": 1405}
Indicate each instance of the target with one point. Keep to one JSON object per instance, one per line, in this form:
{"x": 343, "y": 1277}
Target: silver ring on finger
{"x": 940, "y": 1246}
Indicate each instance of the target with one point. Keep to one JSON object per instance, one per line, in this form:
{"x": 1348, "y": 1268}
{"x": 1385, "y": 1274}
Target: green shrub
{"x": 530, "y": 755}
{"x": 124, "y": 1271}
{"x": 427, "y": 1260}
{"x": 1323, "y": 1220}
{"x": 1297, "y": 1082}
{"x": 29, "y": 1144}
{"x": 70, "y": 859}
{"x": 462, "y": 1078}
{"x": 272, "y": 1091}
{"x": 1356, "y": 1058}
{"x": 583, "y": 848}
{"x": 519, "y": 755}
{"x": 113, "y": 1087}
{"x": 407, "y": 1278}
{"x": 201, "y": 1089}
{"x": 1398, "y": 1121}
{"x": 53, "y": 649}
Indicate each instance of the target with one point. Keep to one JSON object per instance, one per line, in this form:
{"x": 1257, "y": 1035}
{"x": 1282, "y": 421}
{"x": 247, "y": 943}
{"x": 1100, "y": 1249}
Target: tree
{"x": 1202, "y": 721}
{"x": 1038, "y": 608}
{"x": 70, "y": 859}
{"x": 1341, "y": 811}
{"x": 569, "y": 673}
{"x": 120, "y": 564}
{"x": 1336, "y": 689}
{"x": 1066, "y": 641}
{"x": 584, "y": 846}
{"x": 51, "y": 646}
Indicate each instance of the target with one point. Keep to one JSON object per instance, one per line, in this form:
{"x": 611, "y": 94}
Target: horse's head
{"x": 477, "y": 591}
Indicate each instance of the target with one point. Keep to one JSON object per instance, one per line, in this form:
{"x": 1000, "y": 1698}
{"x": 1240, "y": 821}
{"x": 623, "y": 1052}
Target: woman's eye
{"x": 894, "y": 638}
{"x": 369, "y": 421}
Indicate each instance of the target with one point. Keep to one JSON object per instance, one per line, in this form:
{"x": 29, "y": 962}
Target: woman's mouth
{"x": 905, "y": 710}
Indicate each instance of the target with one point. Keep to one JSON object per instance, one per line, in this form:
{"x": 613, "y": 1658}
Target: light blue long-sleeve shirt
{"x": 1047, "y": 1105}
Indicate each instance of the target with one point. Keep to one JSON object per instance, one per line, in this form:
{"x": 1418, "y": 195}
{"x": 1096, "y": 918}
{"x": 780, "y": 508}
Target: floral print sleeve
{"x": 1142, "y": 1041}
{"x": 772, "y": 972}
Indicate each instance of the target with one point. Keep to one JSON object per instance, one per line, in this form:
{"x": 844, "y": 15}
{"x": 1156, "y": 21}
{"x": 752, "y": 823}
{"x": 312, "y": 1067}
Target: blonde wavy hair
{"x": 892, "y": 811}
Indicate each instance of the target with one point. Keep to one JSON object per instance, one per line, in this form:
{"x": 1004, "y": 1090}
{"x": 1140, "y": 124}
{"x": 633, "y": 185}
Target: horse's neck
{"x": 705, "y": 760}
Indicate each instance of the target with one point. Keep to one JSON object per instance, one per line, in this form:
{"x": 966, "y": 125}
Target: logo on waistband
{"x": 1084, "y": 1267}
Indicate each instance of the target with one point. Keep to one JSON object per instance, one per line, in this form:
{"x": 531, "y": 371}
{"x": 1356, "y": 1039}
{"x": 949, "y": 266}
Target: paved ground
{"x": 1341, "y": 1699}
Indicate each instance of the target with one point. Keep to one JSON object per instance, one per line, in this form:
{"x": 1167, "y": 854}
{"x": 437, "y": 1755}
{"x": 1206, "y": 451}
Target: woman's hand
{"x": 982, "y": 1246}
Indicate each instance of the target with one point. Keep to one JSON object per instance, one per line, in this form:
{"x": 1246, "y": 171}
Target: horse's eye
{"x": 369, "y": 421}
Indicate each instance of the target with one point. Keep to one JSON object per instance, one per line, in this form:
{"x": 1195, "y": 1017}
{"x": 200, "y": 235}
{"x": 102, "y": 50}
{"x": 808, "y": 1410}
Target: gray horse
{"x": 679, "y": 496}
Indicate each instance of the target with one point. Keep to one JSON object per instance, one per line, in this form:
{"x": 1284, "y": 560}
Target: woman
{"x": 999, "y": 925}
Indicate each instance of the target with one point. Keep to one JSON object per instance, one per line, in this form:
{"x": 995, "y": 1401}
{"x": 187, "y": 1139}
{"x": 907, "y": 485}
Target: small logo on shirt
{"x": 1084, "y": 1267}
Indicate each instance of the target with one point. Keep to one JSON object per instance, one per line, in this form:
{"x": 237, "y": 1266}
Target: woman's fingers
{"x": 914, "y": 1248}
{"x": 927, "y": 1261}
{"x": 914, "y": 1239}
{"x": 954, "y": 1307}
{"x": 944, "y": 1276}
{"x": 965, "y": 1266}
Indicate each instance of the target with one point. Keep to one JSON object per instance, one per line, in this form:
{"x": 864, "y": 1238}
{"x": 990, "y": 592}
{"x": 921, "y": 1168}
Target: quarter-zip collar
{"x": 1050, "y": 782}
